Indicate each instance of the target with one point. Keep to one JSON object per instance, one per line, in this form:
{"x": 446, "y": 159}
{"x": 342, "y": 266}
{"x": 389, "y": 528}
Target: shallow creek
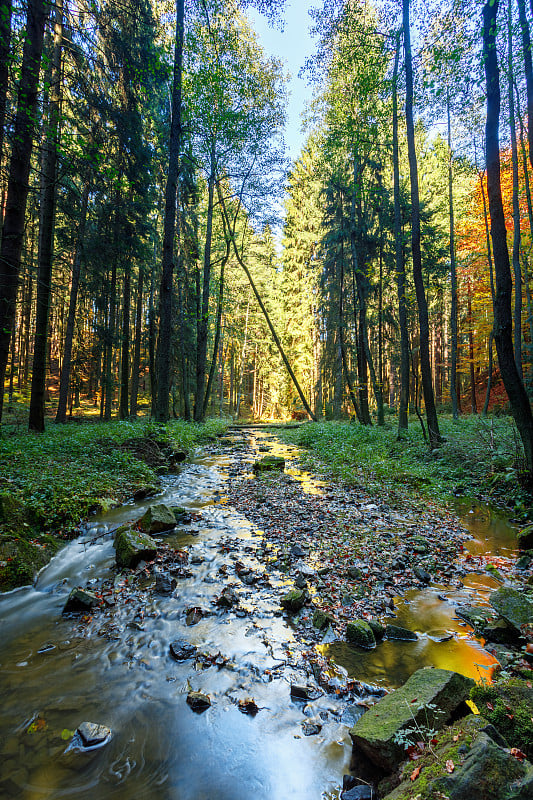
{"x": 115, "y": 668}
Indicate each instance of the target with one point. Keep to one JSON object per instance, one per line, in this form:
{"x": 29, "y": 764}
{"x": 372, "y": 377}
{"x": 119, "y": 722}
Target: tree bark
{"x": 203, "y": 322}
{"x": 164, "y": 349}
{"x": 425, "y": 364}
{"x": 514, "y": 387}
{"x": 5, "y": 43}
{"x": 61, "y": 413}
{"x": 123, "y": 410}
{"x": 516, "y": 206}
{"x": 136, "y": 366}
{"x": 528, "y": 69}
{"x": 19, "y": 170}
{"x": 453, "y": 269}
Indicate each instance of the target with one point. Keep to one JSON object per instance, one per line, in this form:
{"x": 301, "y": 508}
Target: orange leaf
{"x": 517, "y": 753}
{"x": 415, "y": 773}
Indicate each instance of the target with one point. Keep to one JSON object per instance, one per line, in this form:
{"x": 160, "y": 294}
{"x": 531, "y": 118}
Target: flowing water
{"x": 115, "y": 668}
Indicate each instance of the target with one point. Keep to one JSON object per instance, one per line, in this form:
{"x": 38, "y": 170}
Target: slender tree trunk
{"x": 164, "y": 350}
{"x": 530, "y": 217}
{"x": 61, "y": 414}
{"x": 514, "y": 387}
{"x": 243, "y": 359}
{"x": 136, "y": 366}
{"x": 203, "y": 324}
{"x": 425, "y": 365}
{"x": 357, "y": 412}
{"x": 516, "y": 206}
{"x": 151, "y": 343}
{"x": 109, "y": 383}
{"x": 5, "y": 43}
{"x": 403, "y": 412}
{"x": 218, "y": 325}
{"x": 123, "y": 411}
{"x": 18, "y": 183}
{"x": 471, "y": 351}
{"x": 489, "y": 377}
{"x": 453, "y": 269}
{"x": 528, "y": 68}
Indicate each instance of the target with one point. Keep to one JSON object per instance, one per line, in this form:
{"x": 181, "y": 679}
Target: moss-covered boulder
{"x": 80, "y": 601}
{"x": 469, "y": 761}
{"x": 294, "y": 600}
{"x": 399, "y": 633}
{"x": 377, "y": 628}
{"x": 476, "y": 616}
{"x": 181, "y": 515}
{"x": 360, "y": 633}
{"x": 12, "y": 510}
{"x": 322, "y": 620}
{"x": 513, "y": 606}
{"x": 508, "y": 705}
{"x": 158, "y": 518}
{"x": 525, "y": 538}
{"x": 132, "y": 546}
{"x": 427, "y": 700}
{"x": 269, "y": 463}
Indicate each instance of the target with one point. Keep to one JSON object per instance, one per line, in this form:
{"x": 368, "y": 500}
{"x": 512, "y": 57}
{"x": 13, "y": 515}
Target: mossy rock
{"x": 377, "y": 628}
{"x": 525, "y": 538}
{"x": 132, "y": 546}
{"x": 469, "y": 761}
{"x": 181, "y": 515}
{"x": 360, "y": 633}
{"x": 478, "y": 617}
{"x": 322, "y": 620}
{"x": 427, "y": 700}
{"x": 158, "y": 518}
{"x": 12, "y": 510}
{"x": 294, "y": 600}
{"x": 513, "y": 606}
{"x": 400, "y": 634}
{"x": 269, "y": 463}
{"x": 80, "y": 601}
{"x": 23, "y": 552}
{"x": 508, "y": 705}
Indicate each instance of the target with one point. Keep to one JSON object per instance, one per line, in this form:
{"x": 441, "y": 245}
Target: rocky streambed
{"x": 223, "y": 639}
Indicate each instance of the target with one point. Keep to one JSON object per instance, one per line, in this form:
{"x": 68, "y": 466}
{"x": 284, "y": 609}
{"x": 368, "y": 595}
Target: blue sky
{"x": 292, "y": 46}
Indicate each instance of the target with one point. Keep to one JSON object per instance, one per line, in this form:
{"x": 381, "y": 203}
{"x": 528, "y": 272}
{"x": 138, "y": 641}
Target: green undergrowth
{"x": 50, "y": 482}
{"x": 480, "y": 457}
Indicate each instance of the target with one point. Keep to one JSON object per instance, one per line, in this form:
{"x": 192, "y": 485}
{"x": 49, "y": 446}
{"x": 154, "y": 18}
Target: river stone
{"x": 525, "y": 538}
{"x": 322, "y": 620}
{"x": 158, "y": 519}
{"x": 360, "y": 633}
{"x": 358, "y": 793}
{"x": 181, "y": 514}
{"x": 294, "y": 600}
{"x": 227, "y": 598}
{"x": 412, "y": 704}
{"x": 269, "y": 463}
{"x": 133, "y": 546}
{"x": 476, "y": 616}
{"x": 92, "y": 733}
{"x": 422, "y": 574}
{"x": 80, "y": 601}
{"x": 377, "y": 628}
{"x": 400, "y": 634}
{"x": 181, "y": 650}
{"x": 483, "y": 769}
{"x": 164, "y": 584}
{"x": 513, "y": 606}
{"x": 198, "y": 701}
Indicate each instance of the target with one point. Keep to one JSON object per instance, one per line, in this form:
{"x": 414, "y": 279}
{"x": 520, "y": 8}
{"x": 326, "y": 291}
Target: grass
{"x": 480, "y": 458}
{"x": 50, "y": 482}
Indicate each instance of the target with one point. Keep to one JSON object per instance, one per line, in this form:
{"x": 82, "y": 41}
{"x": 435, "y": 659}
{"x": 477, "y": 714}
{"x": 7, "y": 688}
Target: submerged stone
{"x": 181, "y": 514}
{"x": 133, "y": 546}
{"x": 513, "y": 606}
{"x": 80, "y": 601}
{"x": 164, "y": 584}
{"x": 158, "y": 519}
{"x": 360, "y": 633}
{"x": 427, "y": 700}
{"x": 400, "y": 634}
{"x": 269, "y": 463}
{"x": 181, "y": 650}
{"x": 322, "y": 620}
{"x": 294, "y": 600}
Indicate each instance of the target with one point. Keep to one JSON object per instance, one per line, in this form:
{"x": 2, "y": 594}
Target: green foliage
{"x": 478, "y": 456}
{"x": 509, "y": 707}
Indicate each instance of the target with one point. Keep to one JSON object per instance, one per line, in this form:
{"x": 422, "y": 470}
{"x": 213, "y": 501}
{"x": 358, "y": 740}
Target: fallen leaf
{"x": 518, "y": 754}
{"x": 490, "y": 706}
{"x": 415, "y": 773}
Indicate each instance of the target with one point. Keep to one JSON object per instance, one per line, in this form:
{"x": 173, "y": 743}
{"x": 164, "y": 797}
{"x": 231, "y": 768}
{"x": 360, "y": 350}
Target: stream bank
{"x": 280, "y": 709}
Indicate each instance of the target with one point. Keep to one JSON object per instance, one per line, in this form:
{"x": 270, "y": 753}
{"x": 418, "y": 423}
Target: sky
{"x": 292, "y": 46}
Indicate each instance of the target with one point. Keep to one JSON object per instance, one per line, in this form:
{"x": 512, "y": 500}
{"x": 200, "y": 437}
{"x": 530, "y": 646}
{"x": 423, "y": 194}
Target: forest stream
{"x": 257, "y": 739}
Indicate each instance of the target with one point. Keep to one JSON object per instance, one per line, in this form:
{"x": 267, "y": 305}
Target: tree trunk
{"x": 220, "y": 303}
{"x": 530, "y": 217}
{"x": 123, "y": 411}
{"x": 425, "y": 365}
{"x": 108, "y": 382}
{"x": 5, "y": 43}
{"x": 403, "y": 411}
{"x": 489, "y": 377}
{"x": 453, "y": 270}
{"x": 243, "y": 359}
{"x": 164, "y": 350}
{"x": 136, "y": 366}
{"x": 516, "y": 207}
{"x": 471, "y": 351}
{"x": 528, "y": 69}
{"x": 203, "y": 323}
{"x": 151, "y": 343}
{"x": 61, "y": 414}
{"x": 19, "y": 170}
{"x": 514, "y": 387}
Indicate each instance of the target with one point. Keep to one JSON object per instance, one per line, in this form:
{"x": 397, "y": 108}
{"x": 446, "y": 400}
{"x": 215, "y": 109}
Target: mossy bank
{"x": 50, "y": 483}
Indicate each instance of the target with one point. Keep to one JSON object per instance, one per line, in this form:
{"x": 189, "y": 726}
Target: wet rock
{"x": 360, "y": 633}
{"x": 513, "y": 606}
{"x": 476, "y": 616}
{"x": 80, "y": 601}
{"x": 198, "y": 701}
{"x": 377, "y": 628}
{"x": 301, "y": 692}
{"x": 500, "y": 632}
{"x": 268, "y": 463}
{"x": 145, "y": 491}
{"x": 181, "y": 650}
{"x": 525, "y": 538}
{"x": 194, "y": 615}
{"x": 93, "y": 734}
{"x": 428, "y": 699}
{"x": 181, "y": 515}
{"x": 133, "y": 546}
{"x": 422, "y": 574}
{"x": 294, "y": 600}
{"x": 322, "y": 620}
{"x": 361, "y": 792}
{"x": 297, "y": 551}
{"x": 158, "y": 519}
{"x": 164, "y": 584}
{"x": 399, "y": 633}
{"x": 227, "y": 598}
{"x": 311, "y": 727}
{"x": 524, "y": 562}
{"x": 354, "y": 573}
{"x": 300, "y": 581}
